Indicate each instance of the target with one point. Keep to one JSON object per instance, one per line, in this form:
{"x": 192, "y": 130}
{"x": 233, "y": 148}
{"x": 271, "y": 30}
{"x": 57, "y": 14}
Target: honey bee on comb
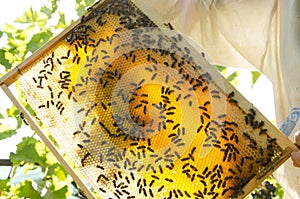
{"x": 142, "y": 114}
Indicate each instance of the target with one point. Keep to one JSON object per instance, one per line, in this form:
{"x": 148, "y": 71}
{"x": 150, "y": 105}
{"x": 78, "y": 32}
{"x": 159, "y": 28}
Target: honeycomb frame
{"x": 97, "y": 92}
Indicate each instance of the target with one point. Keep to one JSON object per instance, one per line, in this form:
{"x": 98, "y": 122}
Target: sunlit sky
{"x": 261, "y": 95}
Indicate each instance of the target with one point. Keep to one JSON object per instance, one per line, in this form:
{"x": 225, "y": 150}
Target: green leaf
{"x": 81, "y": 6}
{"x": 62, "y": 21}
{"x": 232, "y": 76}
{"x": 3, "y": 61}
{"x": 7, "y": 131}
{"x": 1, "y": 33}
{"x": 33, "y": 17}
{"x": 47, "y": 11}
{"x": 7, "y": 134}
{"x": 54, "y": 5}
{"x": 26, "y": 190}
{"x": 220, "y": 68}
{"x": 38, "y": 40}
{"x": 61, "y": 193}
{"x": 279, "y": 189}
{"x": 42, "y": 183}
{"x": 28, "y": 17}
{"x": 19, "y": 122}
{"x": 255, "y": 76}
{"x": 29, "y": 151}
{"x": 80, "y": 10}
{"x": 30, "y": 110}
{"x": 89, "y": 2}
{"x": 4, "y": 185}
{"x": 61, "y": 174}
{"x": 12, "y": 111}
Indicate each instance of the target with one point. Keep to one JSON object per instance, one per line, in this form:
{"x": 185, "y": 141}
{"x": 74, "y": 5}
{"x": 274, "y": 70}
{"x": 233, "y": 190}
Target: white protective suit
{"x": 261, "y": 34}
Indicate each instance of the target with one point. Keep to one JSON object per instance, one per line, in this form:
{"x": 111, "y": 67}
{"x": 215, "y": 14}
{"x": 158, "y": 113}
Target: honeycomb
{"x": 142, "y": 114}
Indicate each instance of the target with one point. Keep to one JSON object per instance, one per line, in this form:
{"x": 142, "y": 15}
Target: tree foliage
{"x": 30, "y": 31}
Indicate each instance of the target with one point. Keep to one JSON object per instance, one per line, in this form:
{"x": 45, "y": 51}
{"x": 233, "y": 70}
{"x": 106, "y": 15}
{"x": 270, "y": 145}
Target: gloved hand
{"x": 296, "y": 154}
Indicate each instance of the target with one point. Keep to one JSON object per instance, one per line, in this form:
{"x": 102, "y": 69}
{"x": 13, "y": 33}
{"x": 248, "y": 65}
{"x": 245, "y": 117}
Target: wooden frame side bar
{"x": 47, "y": 141}
{"x": 260, "y": 177}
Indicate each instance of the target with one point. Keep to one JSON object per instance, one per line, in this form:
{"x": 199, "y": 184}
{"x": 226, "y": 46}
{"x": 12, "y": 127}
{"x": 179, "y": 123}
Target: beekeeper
{"x": 296, "y": 155}
{"x": 256, "y": 34}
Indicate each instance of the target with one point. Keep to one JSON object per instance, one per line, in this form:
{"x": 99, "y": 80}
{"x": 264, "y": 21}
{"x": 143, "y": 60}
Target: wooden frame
{"x": 16, "y": 72}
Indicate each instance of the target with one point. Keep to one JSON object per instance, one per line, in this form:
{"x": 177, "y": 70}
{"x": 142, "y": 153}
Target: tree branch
{"x": 5, "y": 162}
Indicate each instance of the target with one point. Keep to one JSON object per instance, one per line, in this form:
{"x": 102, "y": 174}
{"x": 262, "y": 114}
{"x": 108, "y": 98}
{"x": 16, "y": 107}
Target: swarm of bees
{"x": 141, "y": 113}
